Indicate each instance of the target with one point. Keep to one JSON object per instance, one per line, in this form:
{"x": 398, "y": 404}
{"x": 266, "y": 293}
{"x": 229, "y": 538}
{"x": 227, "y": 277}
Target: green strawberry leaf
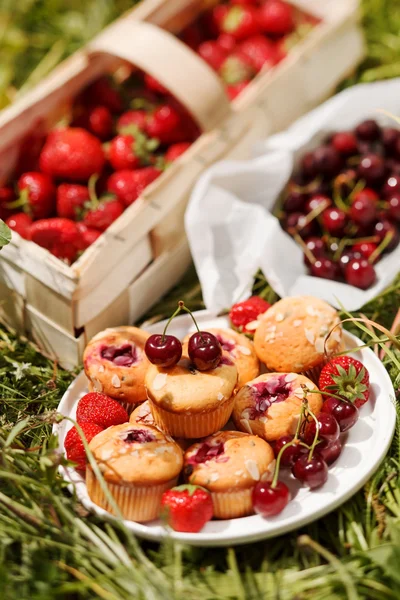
{"x": 5, "y": 234}
{"x": 190, "y": 488}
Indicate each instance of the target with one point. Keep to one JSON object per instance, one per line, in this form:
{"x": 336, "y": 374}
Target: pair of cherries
{"x": 166, "y": 350}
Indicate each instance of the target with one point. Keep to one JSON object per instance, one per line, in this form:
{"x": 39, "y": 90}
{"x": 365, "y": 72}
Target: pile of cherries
{"x": 342, "y": 205}
{"x": 165, "y": 351}
{"x": 308, "y": 454}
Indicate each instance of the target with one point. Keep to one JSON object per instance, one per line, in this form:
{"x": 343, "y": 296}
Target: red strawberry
{"x": 260, "y": 51}
{"x": 71, "y": 198}
{"x": 59, "y": 236}
{"x": 241, "y": 22}
{"x": 131, "y": 151}
{"x": 227, "y": 42}
{"x": 347, "y": 378}
{"x": 101, "y": 216}
{"x": 176, "y": 150}
{"x": 211, "y": 20}
{"x": 87, "y": 236}
{"x": 100, "y": 409}
{"x": 30, "y": 147}
{"x": 39, "y": 197}
{"x": 154, "y": 85}
{"x": 132, "y": 117}
{"x": 187, "y": 508}
{"x": 20, "y": 222}
{"x": 192, "y": 36}
{"x": 73, "y": 443}
{"x": 99, "y": 121}
{"x": 238, "y": 67}
{"x": 103, "y": 91}
{"x": 166, "y": 125}
{"x": 234, "y": 90}
{"x": 246, "y": 312}
{"x": 245, "y": 2}
{"x": 129, "y": 185}
{"x": 276, "y": 17}
{"x": 72, "y": 153}
{"x": 213, "y": 54}
{"x": 7, "y": 195}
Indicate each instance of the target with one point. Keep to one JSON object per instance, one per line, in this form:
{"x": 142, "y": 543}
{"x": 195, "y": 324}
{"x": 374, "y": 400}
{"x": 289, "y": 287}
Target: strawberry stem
{"x": 20, "y": 202}
{"x": 94, "y": 201}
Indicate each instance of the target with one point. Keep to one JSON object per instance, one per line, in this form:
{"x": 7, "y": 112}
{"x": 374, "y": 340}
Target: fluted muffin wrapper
{"x": 233, "y": 504}
{"x": 136, "y": 503}
{"x": 192, "y": 426}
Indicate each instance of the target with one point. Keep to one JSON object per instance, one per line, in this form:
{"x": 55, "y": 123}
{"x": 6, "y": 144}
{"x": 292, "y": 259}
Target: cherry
{"x": 363, "y": 210}
{"x": 313, "y": 472}
{"x": 389, "y": 139}
{"x": 316, "y": 247}
{"x": 391, "y": 185}
{"x": 316, "y": 201}
{"x": 204, "y": 350}
{"x": 371, "y": 168}
{"x": 344, "y": 182}
{"x": 368, "y": 131}
{"x": 294, "y": 202}
{"x": 360, "y": 273}
{"x": 296, "y": 221}
{"x": 347, "y": 256}
{"x": 328, "y": 430}
{"x": 291, "y": 453}
{"x": 269, "y": 501}
{"x": 307, "y": 165}
{"x": 345, "y": 413}
{"x": 394, "y": 207}
{"x": 366, "y": 193}
{"x": 330, "y": 453}
{"x": 325, "y": 268}
{"x": 163, "y": 350}
{"x": 334, "y": 220}
{"x": 382, "y": 228}
{"x": 345, "y": 142}
{"x": 365, "y": 248}
{"x": 327, "y": 161}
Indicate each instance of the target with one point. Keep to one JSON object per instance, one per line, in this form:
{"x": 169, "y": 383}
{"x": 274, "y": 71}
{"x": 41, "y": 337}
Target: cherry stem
{"x": 310, "y": 412}
{"x": 294, "y": 442}
{"x": 305, "y": 248}
{"x": 309, "y": 187}
{"x": 378, "y": 251}
{"x": 313, "y": 214}
{"x": 328, "y": 394}
{"x": 178, "y": 310}
{"x": 304, "y": 406}
{"x": 341, "y": 246}
{"x": 182, "y": 306}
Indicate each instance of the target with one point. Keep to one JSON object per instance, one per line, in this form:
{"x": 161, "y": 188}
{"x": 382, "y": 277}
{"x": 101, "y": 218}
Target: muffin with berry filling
{"x": 115, "y": 363}
{"x": 228, "y": 464}
{"x": 142, "y": 414}
{"x": 242, "y": 351}
{"x": 293, "y": 336}
{"x": 189, "y": 403}
{"x": 270, "y": 405}
{"x": 138, "y": 463}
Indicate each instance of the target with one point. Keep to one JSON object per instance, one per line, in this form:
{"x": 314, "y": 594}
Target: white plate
{"x": 366, "y": 445}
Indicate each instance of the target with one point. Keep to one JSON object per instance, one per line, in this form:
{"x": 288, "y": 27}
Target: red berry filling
{"x": 268, "y": 392}
{"x": 140, "y": 436}
{"x": 124, "y": 356}
{"x": 207, "y": 452}
{"x": 225, "y": 360}
{"x": 226, "y": 345}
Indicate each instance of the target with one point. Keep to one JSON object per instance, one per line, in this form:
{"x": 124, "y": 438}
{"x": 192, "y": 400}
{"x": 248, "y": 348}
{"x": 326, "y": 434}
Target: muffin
{"x": 228, "y": 464}
{"x": 115, "y": 363}
{"x": 270, "y": 405}
{"x": 142, "y": 414}
{"x": 138, "y": 463}
{"x": 291, "y": 336}
{"x": 188, "y": 403}
{"x": 242, "y": 351}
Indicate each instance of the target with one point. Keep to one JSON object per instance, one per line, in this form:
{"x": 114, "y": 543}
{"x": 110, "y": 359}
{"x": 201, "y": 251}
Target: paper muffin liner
{"x": 231, "y": 505}
{"x": 192, "y": 426}
{"x": 136, "y": 503}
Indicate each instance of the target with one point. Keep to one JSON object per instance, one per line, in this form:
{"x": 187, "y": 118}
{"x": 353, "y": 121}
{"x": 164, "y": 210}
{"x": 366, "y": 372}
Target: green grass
{"x": 49, "y": 547}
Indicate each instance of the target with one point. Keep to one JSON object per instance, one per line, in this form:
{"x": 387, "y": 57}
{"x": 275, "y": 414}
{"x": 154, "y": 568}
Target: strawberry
{"x": 37, "y": 194}
{"x": 213, "y": 53}
{"x": 132, "y": 117}
{"x": 71, "y": 198}
{"x": 72, "y": 153}
{"x": 129, "y": 185}
{"x": 165, "y": 124}
{"x": 103, "y": 91}
{"x": 227, "y": 42}
{"x": 131, "y": 151}
{"x": 260, "y": 51}
{"x": 21, "y": 223}
{"x": 7, "y": 195}
{"x": 186, "y": 508}
{"x": 192, "y": 36}
{"x": 246, "y": 313}
{"x": 234, "y": 90}
{"x": 244, "y": 2}
{"x": 154, "y": 85}
{"x": 238, "y": 67}
{"x": 87, "y": 236}
{"x": 100, "y": 409}
{"x": 211, "y": 21}
{"x": 59, "y": 236}
{"x": 176, "y": 150}
{"x": 346, "y": 377}
{"x": 98, "y": 120}
{"x": 29, "y": 149}
{"x": 276, "y": 17}
{"x": 73, "y": 443}
{"x": 241, "y": 22}
{"x": 103, "y": 214}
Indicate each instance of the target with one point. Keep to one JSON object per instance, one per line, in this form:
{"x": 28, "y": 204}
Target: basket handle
{"x": 172, "y": 63}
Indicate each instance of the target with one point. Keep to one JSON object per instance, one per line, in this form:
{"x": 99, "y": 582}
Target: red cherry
{"x": 360, "y": 273}
{"x": 269, "y": 501}
{"x": 163, "y": 350}
{"x": 327, "y": 161}
{"x": 391, "y": 185}
{"x": 382, "y": 228}
{"x": 289, "y": 455}
{"x": 334, "y": 220}
{"x": 366, "y": 193}
{"x": 204, "y": 350}
{"x": 365, "y": 248}
{"x": 294, "y": 202}
{"x": 313, "y": 472}
{"x": 389, "y": 139}
{"x": 371, "y": 168}
{"x": 345, "y": 413}
{"x": 330, "y": 453}
{"x": 297, "y": 221}
{"x": 307, "y": 165}
{"x": 328, "y": 430}
{"x": 316, "y": 247}
{"x": 363, "y": 210}
{"x": 347, "y": 256}
{"x": 368, "y": 130}
{"x": 345, "y": 142}
{"x": 316, "y": 201}
{"x": 394, "y": 207}
{"x": 325, "y": 268}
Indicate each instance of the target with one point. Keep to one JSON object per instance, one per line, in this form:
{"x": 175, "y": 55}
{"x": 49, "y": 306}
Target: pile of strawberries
{"x": 239, "y": 38}
{"x": 71, "y": 184}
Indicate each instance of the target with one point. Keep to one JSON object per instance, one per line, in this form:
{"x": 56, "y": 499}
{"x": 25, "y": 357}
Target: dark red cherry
{"x": 316, "y": 247}
{"x": 316, "y": 201}
{"x": 394, "y": 207}
{"x": 371, "y": 168}
{"x": 163, "y": 350}
{"x": 294, "y": 202}
{"x": 347, "y": 256}
{"x": 368, "y": 131}
{"x": 382, "y": 228}
{"x": 360, "y": 273}
{"x": 289, "y": 455}
{"x": 334, "y": 220}
{"x": 328, "y": 430}
{"x": 330, "y": 453}
{"x": 269, "y": 501}
{"x": 313, "y": 472}
{"x": 363, "y": 210}
{"x": 325, "y": 268}
{"x": 298, "y": 222}
{"x": 204, "y": 350}
{"x": 327, "y": 161}
{"x": 307, "y": 165}
{"x": 365, "y": 248}
{"x": 389, "y": 139}
{"x": 345, "y": 142}
{"x": 392, "y": 184}
{"x": 345, "y": 413}
{"x": 345, "y": 181}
